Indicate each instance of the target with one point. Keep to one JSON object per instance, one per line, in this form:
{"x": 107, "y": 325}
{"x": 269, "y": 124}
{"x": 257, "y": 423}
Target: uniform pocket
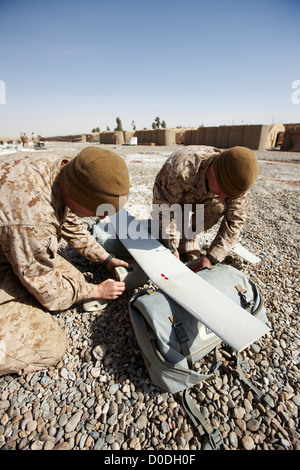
{"x": 52, "y": 247}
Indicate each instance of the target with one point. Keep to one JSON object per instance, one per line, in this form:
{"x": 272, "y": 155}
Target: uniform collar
{"x": 203, "y": 183}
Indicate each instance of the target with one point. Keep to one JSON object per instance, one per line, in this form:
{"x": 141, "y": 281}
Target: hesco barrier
{"x": 149, "y": 136}
{"x": 65, "y": 138}
{"x": 291, "y": 140}
{"x": 255, "y": 137}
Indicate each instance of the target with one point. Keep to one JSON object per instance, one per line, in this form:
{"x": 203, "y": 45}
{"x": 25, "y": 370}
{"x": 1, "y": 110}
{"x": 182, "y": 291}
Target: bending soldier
{"x": 218, "y": 180}
{"x": 41, "y": 200}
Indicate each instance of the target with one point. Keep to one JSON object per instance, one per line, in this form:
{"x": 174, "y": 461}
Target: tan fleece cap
{"x": 96, "y": 176}
{"x": 236, "y": 169}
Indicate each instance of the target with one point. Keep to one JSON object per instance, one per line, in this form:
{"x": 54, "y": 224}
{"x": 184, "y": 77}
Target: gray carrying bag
{"x": 171, "y": 340}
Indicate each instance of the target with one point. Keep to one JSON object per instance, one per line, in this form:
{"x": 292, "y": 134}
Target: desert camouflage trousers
{"x": 179, "y": 238}
{"x": 213, "y": 212}
{"x": 30, "y": 337}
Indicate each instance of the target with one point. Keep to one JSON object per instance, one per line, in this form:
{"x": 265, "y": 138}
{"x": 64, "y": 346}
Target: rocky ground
{"x": 99, "y": 396}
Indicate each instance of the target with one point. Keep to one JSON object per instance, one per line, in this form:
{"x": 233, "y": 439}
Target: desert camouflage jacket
{"x": 182, "y": 180}
{"x": 32, "y": 223}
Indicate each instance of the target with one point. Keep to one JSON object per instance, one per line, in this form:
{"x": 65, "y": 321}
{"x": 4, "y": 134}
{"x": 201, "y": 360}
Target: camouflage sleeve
{"x": 230, "y": 228}
{"x": 31, "y": 252}
{"x": 168, "y": 185}
{"x": 167, "y": 191}
{"x": 80, "y": 239}
{"x": 178, "y": 177}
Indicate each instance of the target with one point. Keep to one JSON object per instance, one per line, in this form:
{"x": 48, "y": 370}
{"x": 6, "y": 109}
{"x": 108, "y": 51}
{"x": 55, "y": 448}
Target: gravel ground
{"x": 99, "y": 396}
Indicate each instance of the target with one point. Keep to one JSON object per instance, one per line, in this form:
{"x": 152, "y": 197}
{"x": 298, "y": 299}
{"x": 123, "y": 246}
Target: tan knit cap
{"x": 236, "y": 169}
{"x": 96, "y": 176}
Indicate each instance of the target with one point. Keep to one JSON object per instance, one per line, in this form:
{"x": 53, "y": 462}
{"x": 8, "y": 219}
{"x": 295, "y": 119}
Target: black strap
{"x": 200, "y": 422}
{"x": 183, "y": 339}
{"x": 247, "y": 305}
{"x": 242, "y": 364}
{"x": 108, "y": 260}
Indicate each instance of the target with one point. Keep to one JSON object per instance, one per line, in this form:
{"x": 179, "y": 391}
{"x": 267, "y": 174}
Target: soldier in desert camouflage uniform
{"x": 41, "y": 197}
{"x": 218, "y": 180}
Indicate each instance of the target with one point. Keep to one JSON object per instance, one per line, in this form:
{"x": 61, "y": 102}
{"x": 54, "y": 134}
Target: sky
{"x": 68, "y": 66}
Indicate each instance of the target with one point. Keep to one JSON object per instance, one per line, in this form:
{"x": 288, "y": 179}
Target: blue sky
{"x": 69, "y": 66}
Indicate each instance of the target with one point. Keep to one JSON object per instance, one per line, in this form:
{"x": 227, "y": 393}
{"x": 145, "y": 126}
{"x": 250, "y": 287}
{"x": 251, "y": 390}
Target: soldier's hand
{"x": 200, "y": 264}
{"x": 109, "y": 289}
{"x": 115, "y": 262}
